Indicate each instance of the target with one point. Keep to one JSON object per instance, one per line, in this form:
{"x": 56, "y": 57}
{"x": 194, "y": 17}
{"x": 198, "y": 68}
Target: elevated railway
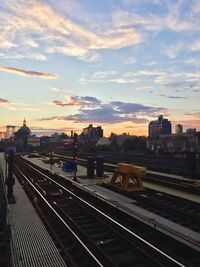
{"x": 168, "y": 180}
{"x": 86, "y": 228}
{"x": 171, "y": 164}
{"x": 178, "y": 210}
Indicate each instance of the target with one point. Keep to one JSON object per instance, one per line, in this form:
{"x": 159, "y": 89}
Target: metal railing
{"x": 3, "y": 202}
{"x": 5, "y": 229}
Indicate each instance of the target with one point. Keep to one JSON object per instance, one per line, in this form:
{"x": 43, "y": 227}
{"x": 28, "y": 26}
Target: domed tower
{"x": 21, "y": 137}
{"x": 24, "y": 130}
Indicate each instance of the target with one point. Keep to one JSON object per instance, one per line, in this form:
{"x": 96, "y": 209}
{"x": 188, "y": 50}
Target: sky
{"x": 120, "y": 63}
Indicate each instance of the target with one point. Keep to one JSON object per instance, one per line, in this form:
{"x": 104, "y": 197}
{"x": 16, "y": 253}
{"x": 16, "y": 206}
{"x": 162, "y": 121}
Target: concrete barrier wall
{"x": 163, "y": 163}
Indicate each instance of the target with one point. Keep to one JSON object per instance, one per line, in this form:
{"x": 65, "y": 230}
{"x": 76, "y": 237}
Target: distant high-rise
{"x": 179, "y": 129}
{"x": 191, "y": 130}
{"x": 159, "y": 126}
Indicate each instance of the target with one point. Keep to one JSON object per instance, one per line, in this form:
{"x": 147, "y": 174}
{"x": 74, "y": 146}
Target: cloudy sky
{"x": 117, "y": 63}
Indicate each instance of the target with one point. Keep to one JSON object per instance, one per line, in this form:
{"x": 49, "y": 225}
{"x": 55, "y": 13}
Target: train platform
{"x": 169, "y": 175}
{"x": 173, "y": 176}
{"x": 156, "y": 173}
{"x": 127, "y": 204}
{"x": 81, "y": 173}
{"x": 31, "y": 243}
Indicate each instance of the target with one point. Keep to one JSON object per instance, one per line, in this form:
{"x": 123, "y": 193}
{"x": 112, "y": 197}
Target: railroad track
{"x": 184, "y": 185}
{"x": 98, "y": 226}
{"x": 178, "y": 210}
{"x": 159, "y": 163}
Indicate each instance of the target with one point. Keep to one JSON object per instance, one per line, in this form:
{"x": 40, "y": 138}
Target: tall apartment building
{"x": 179, "y": 129}
{"x": 159, "y": 127}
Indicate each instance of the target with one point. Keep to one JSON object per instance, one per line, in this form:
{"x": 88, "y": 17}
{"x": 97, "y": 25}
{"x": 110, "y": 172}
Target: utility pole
{"x": 6, "y": 169}
{"x": 10, "y": 181}
{"x": 51, "y": 158}
{"x": 75, "y": 154}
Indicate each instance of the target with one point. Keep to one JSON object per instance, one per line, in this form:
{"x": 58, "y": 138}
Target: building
{"x": 90, "y": 135}
{"x": 175, "y": 143}
{"x": 2, "y": 135}
{"x": 103, "y": 142}
{"x": 179, "y": 129}
{"x": 33, "y": 141}
{"x": 122, "y": 138}
{"x": 191, "y": 130}
{"x": 159, "y": 127}
{"x": 127, "y": 142}
{"x": 21, "y": 137}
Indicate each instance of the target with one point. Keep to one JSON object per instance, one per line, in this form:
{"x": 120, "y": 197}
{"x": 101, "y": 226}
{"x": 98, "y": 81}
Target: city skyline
{"x": 118, "y": 64}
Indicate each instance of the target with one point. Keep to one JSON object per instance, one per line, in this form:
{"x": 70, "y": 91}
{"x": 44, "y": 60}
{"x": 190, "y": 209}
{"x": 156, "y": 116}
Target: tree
{"x": 136, "y": 143}
{"x": 63, "y": 136}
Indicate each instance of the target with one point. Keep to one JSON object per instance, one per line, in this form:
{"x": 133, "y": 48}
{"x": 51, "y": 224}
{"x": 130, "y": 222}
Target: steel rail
{"x": 177, "y": 168}
{"x": 147, "y": 220}
{"x": 61, "y": 219}
{"x": 153, "y": 223}
{"x": 156, "y": 173}
{"x": 110, "y": 219}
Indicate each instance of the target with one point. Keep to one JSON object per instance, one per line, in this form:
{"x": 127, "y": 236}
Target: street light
{"x": 75, "y": 154}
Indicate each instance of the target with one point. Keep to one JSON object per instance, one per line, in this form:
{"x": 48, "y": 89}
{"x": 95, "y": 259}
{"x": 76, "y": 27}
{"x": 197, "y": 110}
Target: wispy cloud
{"x": 4, "y": 101}
{"x": 179, "y": 17}
{"x": 15, "y": 105}
{"x": 118, "y": 77}
{"x": 192, "y": 123}
{"x": 52, "y": 118}
{"x": 152, "y": 63}
{"x": 129, "y": 61}
{"x": 73, "y": 31}
{"x": 105, "y": 115}
{"x": 193, "y": 61}
{"x": 36, "y": 128}
{"x": 196, "y": 114}
{"x": 28, "y": 73}
{"x": 168, "y": 96}
{"x": 17, "y": 56}
{"x": 7, "y": 104}
{"x": 92, "y": 110}
{"x": 55, "y": 33}
{"x": 78, "y": 101}
{"x": 172, "y": 51}
{"x": 195, "y": 46}
{"x": 29, "y": 109}
{"x": 131, "y": 108}
{"x": 109, "y": 76}
{"x": 60, "y": 90}
{"x": 177, "y": 80}
{"x": 174, "y": 17}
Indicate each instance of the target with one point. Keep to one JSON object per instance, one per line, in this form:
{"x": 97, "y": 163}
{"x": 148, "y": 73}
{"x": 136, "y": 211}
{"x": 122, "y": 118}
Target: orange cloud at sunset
{"x": 28, "y": 73}
{"x": 4, "y": 101}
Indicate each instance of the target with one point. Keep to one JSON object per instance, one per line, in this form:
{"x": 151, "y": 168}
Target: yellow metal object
{"x": 127, "y": 177}
{"x": 123, "y": 167}
{"x": 137, "y": 170}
